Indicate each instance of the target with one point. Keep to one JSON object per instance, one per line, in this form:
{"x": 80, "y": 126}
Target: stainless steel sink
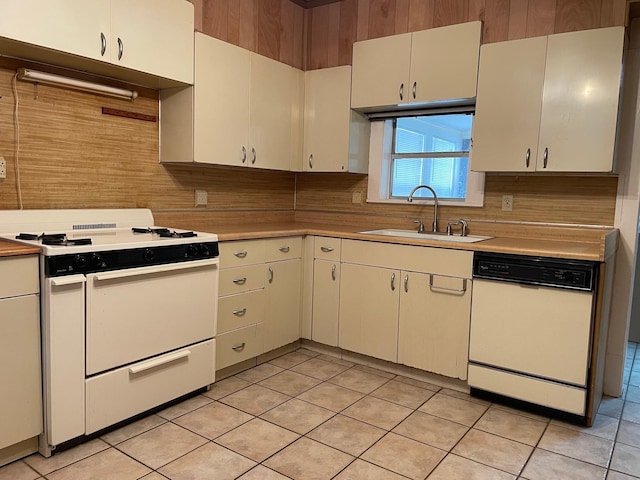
{"x": 389, "y": 232}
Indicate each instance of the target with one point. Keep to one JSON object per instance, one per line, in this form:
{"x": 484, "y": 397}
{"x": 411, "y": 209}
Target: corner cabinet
{"x": 436, "y": 65}
{"x": 549, "y": 104}
{"x": 155, "y": 39}
{"x": 336, "y": 138}
{"x": 241, "y": 110}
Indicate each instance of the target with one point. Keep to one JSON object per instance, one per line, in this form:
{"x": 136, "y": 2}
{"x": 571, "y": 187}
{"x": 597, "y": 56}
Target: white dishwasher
{"x": 531, "y": 329}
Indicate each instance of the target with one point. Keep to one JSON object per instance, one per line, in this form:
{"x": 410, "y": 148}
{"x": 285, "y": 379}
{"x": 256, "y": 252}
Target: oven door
{"x": 137, "y": 313}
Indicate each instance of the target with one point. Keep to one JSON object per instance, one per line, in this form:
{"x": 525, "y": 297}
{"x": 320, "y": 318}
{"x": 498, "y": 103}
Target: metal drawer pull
{"x": 103, "y": 44}
{"x": 240, "y": 281}
{"x": 311, "y": 161}
{"x": 326, "y": 249}
{"x": 284, "y": 249}
{"x": 244, "y": 154}
{"x": 446, "y": 289}
{"x": 406, "y": 283}
{"x": 527, "y": 157}
{"x": 393, "y": 282}
{"x": 240, "y": 254}
{"x": 333, "y": 272}
{"x": 545, "y": 157}
{"x": 238, "y": 348}
{"x": 120, "y": 48}
{"x": 157, "y": 362}
{"x": 255, "y": 155}
{"x": 414, "y": 89}
{"x": 240, "y": 313}
{"x": 270, "y": 275}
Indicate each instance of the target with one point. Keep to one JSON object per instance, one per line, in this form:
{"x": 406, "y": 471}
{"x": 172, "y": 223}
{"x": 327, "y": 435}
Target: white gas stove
{"x": 129, "y": 315}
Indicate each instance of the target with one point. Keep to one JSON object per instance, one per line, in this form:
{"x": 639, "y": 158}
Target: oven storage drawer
{"x": 284, "y": 248}
{"x": 241, "y": 279}
{"x": 237, "y": 311}
{"x": 117, "y": 395}
{"x": 541, "y": 392}
{"x": 239, "y": 253}
{"x": 239, "y": 345}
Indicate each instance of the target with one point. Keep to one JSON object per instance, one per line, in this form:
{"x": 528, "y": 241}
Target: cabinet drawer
{"x": 284, "y": 248}
{"x": 241, "y": 279}
{"x": 237, "y": 311}
{"x": 239, "y": 345}
{"x": 327, "y": 248}
{"x": 127, "y": 391}
{"x": 19, "y": 275}
{"x": 244, "y": 252}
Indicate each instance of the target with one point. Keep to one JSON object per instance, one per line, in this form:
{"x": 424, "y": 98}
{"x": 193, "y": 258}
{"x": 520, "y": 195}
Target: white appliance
{"x": 129, "y": 315}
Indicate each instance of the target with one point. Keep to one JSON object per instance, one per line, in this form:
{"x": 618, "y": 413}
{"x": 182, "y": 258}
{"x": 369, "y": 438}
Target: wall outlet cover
{"x": 201, "y": 198}
{"x": 507, "y": 203}
{"x": 3, "y": 168}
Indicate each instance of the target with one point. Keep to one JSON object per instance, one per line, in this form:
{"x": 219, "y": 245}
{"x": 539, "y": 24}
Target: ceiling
{"x": 313, "y": 3}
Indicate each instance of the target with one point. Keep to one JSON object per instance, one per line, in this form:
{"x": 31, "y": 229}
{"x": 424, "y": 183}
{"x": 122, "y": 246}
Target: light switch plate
{"x": 201, "y": 198}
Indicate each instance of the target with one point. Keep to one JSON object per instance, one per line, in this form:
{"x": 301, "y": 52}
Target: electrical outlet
{"x": 356, "y": 198}
{"x": 201, "y": 198}
{"x": 507, "y": 203}
{"x": 3, "y": 168}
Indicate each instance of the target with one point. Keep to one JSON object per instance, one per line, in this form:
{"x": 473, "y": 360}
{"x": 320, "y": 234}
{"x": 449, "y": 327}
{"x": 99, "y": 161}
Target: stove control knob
{"x": 80, "y": 261}
{"x": 149, "y": 255}
{"x": 192, "y": 250}
{"x": 96, "y": 260}
{"x": 204, "y": 250}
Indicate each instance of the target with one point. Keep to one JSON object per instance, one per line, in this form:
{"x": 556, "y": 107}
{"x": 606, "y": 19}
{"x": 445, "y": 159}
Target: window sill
{"x": 448, "y": 203}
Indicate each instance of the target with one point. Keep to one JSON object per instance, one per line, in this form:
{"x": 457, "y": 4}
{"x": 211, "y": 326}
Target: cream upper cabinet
{"x": 239, "y": 112}
{"x": 549, "y": 104}
{"x": 155, "y": 39}
{"x": 336, "y": 139}
{"x": 436, "y": 65}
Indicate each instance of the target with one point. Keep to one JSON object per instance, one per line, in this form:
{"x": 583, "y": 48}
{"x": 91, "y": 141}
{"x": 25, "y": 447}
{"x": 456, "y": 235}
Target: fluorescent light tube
{"x": 71, "y": 83}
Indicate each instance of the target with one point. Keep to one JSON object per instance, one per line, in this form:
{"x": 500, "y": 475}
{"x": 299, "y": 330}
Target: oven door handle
{"x": 68, "y": 280}
{"x": 157, "y": 362}
{"x": 135, "y": 272}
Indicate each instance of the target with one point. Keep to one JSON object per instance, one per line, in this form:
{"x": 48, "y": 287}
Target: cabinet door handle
{"x": 241, "y": 254}
{"x": 393, "y": 282}
{"x": 311, "y": 161}
{"x": 270, "y": 275}
{"x": 238, "y": 348}
{"x": 527, "y": 158}
{"x": 244, "y": 154}
{"x": 255, "y": 156}
{"x": 401, "y": 92}
{"x": 284, "y": 249}
{"x": 458, "y": 291}
{"x": 120, "y": 48}
{"x": 326, "y": 249}
{"x": 415, "y": 84}
{"x": 406, "y": 284}
{"x": 545, "y": 157}
{"x": 103, "y": 44}
{"x": 333, "y": 272}
{"x": 240, "y": 281}
{"x": 240, "y": 313}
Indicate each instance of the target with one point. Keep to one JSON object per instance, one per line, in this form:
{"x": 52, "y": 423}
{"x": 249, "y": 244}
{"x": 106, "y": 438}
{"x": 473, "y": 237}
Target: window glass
{"x": 431, "y": 150}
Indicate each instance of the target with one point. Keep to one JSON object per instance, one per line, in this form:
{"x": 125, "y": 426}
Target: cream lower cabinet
{"x": 434, "y": 323}
{"x": 20, "y": 375}
{"x": 326, "y": 290}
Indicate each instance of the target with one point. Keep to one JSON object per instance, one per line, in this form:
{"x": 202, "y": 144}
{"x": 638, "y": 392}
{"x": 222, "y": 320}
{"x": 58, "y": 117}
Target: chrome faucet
{"x": 435, "y": 204}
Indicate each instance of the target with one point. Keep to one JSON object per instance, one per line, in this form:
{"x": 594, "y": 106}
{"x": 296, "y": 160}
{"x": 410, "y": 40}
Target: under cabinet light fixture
{"x": 71, "y": 83}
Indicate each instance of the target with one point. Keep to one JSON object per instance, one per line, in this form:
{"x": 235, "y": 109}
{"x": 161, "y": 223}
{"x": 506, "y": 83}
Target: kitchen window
{"x": 427, "y": 149}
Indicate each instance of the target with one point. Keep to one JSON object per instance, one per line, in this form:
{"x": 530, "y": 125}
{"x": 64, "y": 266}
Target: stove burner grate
{"x": 54, "y": 239}
{"x": 164, "y": 232}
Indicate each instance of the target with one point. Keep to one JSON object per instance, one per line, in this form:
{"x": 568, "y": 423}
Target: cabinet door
{"x": 580, "y": 101}
{"x": 21, "y": 413}
{"x": 157, "y": 40}
{"x": 282, "y": 317}
{"x": 380, "y": 75}
{"x": 271, "y": 100}
{"x": 444, "y": 63}
{"x": 434, "y": 323}
{"x": 369, "y": 310}
{"x": 508, "y": 104}
{"x": 326, "y": 302}
{"x": 221, "y": 102}
{"x": 39, "y": 23}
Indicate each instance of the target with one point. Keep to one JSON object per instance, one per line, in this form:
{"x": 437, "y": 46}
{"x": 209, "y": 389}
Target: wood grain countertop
{"x": 599, "y": 244}
{"x": 9, "y": 249}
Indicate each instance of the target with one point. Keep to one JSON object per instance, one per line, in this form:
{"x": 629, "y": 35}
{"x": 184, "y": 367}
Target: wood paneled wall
{"x": 273, "y": 28}
{"x": 73, "y": 156}
{"x": 332, "y": 29}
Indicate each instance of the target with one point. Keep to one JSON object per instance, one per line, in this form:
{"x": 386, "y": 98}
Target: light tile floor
{"x": 306, "y": 416}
